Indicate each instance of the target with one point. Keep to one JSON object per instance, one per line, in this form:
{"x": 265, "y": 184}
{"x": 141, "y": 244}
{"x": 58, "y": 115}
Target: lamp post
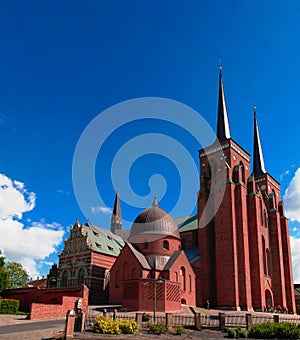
{"x": 154, "y": 296}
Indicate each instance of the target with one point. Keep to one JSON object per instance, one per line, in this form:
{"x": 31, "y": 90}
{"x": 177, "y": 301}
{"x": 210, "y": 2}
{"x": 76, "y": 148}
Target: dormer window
{"x": 98, "y": 245}
{"x": 110, "y": 248}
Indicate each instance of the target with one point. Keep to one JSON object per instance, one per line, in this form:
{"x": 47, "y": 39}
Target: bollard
{"x": 169, "y": 319}
{"x": 198, "y": 324}
{"x": 70, "y": 322}
{"x": 222, "y": 321}
{"x": 115, "y": 314}
{"x": 248, "y": 321}
{"x": 276, "y": 318}
{"x": 139, "y": 319}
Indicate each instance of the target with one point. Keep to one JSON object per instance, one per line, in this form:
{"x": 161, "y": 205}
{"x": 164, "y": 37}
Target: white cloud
{"x": 104, "y": 210}
{"x": 24, "y": 244}
{"x": 292, "y": 198}
{"x": 295, "y": 250}
{"x": 14, "y": 199}
{"x": 287, "y": 172}
{"x": 60, "y": 191}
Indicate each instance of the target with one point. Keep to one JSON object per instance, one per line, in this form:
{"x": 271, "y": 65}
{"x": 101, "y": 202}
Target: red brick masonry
{"x": 49, "y": 303}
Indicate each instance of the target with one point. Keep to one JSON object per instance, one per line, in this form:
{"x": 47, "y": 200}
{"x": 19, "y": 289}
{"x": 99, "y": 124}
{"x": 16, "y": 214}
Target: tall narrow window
{"x": 264, "y": 254}
{"x": 166, "y": 245}
{"x": 64, "y": 279}
{"x": 183, "y": 278}
{"x": 80, "y": 276}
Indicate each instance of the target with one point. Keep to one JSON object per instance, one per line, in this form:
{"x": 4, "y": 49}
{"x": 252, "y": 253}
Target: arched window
{"x": 242, "y": 169}
{"x": 176, "y": 277}
{"x": 64, "y": 279}
{"x": 261, "y": 211}
{"x": 268, "y": 262}
{"x": 80, "y": 276}
{"x": 264, "y": 254}
{"x": 166, "y": 244}
{"x": 190, "y": 283}
{"x": 183, "y": 278}
{"x": 145, "y": 245}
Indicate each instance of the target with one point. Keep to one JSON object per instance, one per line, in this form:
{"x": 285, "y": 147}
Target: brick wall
{"x": 48, "y": 303}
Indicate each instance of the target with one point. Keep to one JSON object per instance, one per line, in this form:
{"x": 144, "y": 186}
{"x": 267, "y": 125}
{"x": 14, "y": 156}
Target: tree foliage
{"x": 17, "y": 275}
{"x": 3, "y": 274}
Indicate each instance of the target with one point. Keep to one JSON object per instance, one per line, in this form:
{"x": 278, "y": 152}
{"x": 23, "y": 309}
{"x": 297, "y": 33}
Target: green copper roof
{"x": 187, "y": 223}
{"x": 103, "y": 241}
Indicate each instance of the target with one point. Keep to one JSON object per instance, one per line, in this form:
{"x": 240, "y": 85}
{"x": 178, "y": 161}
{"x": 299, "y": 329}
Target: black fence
{"x": 206, "y": 321}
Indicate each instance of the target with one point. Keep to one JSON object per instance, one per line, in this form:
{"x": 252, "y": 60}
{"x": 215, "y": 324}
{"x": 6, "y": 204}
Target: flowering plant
{"x": 145, "y": 316}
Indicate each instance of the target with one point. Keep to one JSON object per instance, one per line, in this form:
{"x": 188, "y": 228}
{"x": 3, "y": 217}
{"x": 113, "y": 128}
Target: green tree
{"x": 17, "y": 275}
{"x": 3, "y": 274}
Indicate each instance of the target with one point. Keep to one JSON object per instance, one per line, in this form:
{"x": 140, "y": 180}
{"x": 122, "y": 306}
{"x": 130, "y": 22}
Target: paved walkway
{"x": 144, "y": 335}
{"x": 14, "y": 327}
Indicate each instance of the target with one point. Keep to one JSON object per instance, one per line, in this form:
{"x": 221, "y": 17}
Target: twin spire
{"x": 223, "y": 128}
{"x": 223, "y": 131}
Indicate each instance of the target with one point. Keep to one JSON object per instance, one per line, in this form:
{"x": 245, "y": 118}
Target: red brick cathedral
{"x": 244, "y": 249}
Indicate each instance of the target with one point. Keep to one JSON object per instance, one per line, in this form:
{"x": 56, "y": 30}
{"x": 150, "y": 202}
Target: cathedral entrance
{"x": 269, "y": 299}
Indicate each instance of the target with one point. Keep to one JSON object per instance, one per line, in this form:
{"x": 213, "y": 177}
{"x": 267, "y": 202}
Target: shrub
{"x": 8, "y": 306}
{"x": 241, "y": 333}
{"x": 231, "y": 333}
{"x": 158, "y": 328}
{"x": 269, "y": 330}
{"x": 145, "y": 317}
{"x": 225, "y": 329}
{"x": 108, "y": 326}
{"x": 179, "y": 330}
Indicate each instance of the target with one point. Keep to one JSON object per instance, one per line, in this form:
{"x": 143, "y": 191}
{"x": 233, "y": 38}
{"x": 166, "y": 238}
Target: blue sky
{"x": 62, "y": 63}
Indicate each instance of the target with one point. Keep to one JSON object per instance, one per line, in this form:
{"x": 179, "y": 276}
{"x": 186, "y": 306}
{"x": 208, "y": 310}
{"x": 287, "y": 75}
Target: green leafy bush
{"x": 9, "y": 306}
{"x": 231, "y": 333}
{"x": 236, "y": 333}
{"x": 241, "y": 333}
{"x": 158, "y": 328}
{"x": 107, "y": 326}
{"x": 179, "y": 330}
{"x": 270, "y": 330}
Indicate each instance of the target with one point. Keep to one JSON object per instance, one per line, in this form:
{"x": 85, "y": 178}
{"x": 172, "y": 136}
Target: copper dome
{"x": 153, "y": 224}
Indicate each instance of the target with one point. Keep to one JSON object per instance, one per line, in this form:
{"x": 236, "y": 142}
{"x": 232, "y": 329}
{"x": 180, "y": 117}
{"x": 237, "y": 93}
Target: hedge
{"x": 273, "y": 330}
{"x": 9, "y": 306}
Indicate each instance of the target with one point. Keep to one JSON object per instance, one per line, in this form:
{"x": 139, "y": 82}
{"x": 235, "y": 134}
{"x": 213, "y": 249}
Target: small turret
{"x": 116, "y": 218}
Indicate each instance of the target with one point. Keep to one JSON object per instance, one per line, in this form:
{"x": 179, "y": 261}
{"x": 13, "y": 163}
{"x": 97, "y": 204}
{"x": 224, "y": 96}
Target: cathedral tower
{"x": 244, "y": 253}
{"x": 223, "y": 241}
